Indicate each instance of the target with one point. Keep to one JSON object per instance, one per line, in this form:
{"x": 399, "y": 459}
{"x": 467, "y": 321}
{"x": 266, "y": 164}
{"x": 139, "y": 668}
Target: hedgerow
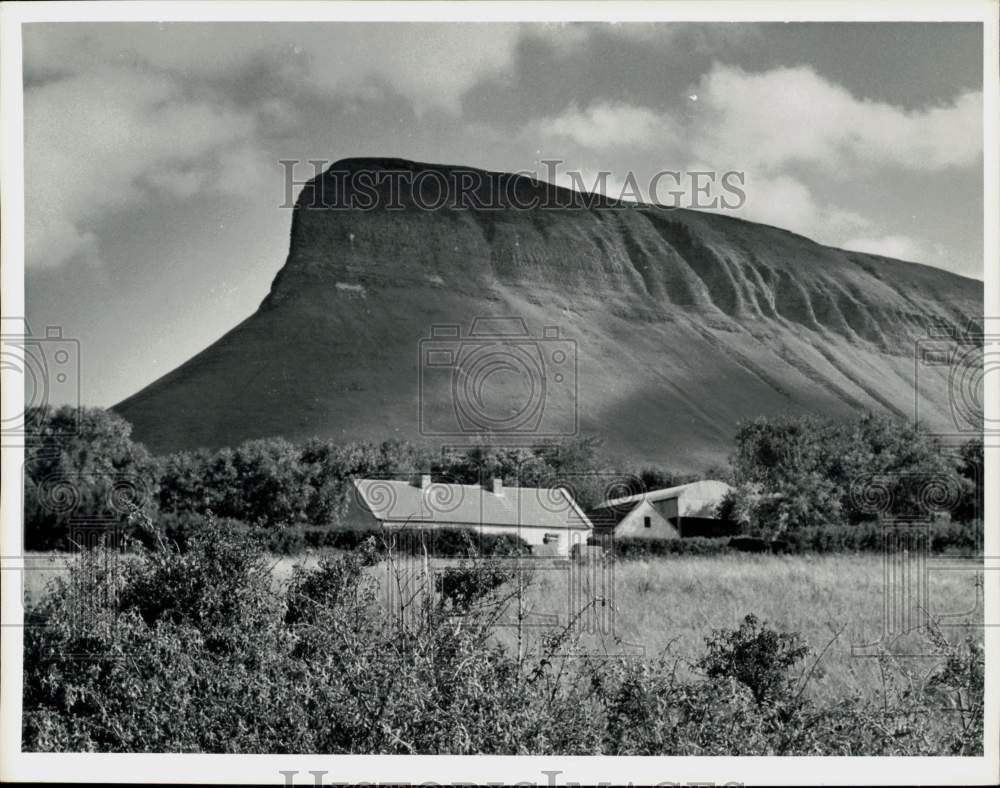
{"x": 943, "y": 537}
{"x": 640, "y": 549}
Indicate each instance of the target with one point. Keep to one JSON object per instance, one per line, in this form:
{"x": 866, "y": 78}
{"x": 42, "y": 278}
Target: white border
{"x": 447, "y": 769}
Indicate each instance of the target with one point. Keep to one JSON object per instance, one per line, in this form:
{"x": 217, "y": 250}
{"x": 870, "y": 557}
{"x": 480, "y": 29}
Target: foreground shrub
{"x": 201, "y": 651}
{"x": 756, "y": 656}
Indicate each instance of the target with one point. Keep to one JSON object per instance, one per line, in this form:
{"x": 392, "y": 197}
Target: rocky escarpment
{"x": 680, "y": 322}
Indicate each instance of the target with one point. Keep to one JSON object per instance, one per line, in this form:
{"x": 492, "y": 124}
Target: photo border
{"x": 541, "y": 770}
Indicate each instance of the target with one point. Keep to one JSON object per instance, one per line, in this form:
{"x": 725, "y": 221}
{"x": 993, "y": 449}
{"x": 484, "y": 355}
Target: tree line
{"x": 788, "y": 474}
{"x": 794, "y": 473}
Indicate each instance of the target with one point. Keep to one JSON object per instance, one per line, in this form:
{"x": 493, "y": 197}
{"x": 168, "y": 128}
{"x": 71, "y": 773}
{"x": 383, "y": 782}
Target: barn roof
{"x": 470, "y": 504}
{"x": 664, "y": 494}
{"x": 607, "y": 517}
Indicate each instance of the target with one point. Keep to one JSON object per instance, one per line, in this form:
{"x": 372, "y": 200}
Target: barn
{"x": 548, "y": 519}
{"x": 671, "y": 513}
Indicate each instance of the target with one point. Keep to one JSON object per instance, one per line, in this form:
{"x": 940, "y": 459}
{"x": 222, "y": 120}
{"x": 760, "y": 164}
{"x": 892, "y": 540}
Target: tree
{"x": 272, "y": 483}
{"x": 970, "y": 469}
{"x": 83, "y": 468}
{"x": 904, "y": 467}
{"x": 782, "y": 474}
{"x": 795, "y": 472}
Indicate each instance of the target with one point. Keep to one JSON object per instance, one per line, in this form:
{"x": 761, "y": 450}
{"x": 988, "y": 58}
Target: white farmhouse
{"x": 548, "y": 519}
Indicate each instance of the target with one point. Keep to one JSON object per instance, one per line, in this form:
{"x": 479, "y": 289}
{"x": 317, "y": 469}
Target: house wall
{"x": 534, "y": 536}
{"x": 356, "y": 515}
{"x": 633, "y": 525}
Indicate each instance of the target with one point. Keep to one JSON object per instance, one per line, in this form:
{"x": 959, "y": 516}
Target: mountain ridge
{"x": 723, "y": 319}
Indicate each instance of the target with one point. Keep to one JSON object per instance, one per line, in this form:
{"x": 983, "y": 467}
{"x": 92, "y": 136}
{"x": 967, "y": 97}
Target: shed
{"x": 674, "y": 512}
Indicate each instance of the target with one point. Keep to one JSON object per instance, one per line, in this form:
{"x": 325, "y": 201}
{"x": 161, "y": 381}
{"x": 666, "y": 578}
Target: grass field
{"x": 676, "y": 602}
{"x": 834, "y": 601}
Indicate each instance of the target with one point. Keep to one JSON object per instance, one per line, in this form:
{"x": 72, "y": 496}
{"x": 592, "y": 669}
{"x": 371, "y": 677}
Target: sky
{"x": 154, "y": 194}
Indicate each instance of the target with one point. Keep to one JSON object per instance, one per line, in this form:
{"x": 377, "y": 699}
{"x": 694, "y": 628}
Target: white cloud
{"x": 901, "y": 247}
{"x": 781, "y": 200}
{"x": 784, "y": 116}
{"x": 431, "y": 65}
{"x": 783, "y": 129}
{"x": 96, "y": 139}
{"x": 609, "y": 125}
{"x": 771, "y": 120}
{"x": 784, "y": 201}
{"x": 113, "y": 112}
{"x": 51, "y": 239}
{"x": 247, "y": 170}
{"x": 179, "y": 183}
{"x": 566, "y": 37}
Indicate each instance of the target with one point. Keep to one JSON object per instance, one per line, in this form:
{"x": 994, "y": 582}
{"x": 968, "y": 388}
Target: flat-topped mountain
{"x": 657, "y": 328}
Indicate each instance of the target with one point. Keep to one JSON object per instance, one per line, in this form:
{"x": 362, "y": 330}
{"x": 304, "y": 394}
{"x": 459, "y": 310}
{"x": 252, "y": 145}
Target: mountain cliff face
{"x": 672, "y": 324}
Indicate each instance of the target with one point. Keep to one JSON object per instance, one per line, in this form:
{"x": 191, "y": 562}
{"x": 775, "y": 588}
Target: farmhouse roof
{"x": 658, "y": 495}
{"x": 399, "y": 501}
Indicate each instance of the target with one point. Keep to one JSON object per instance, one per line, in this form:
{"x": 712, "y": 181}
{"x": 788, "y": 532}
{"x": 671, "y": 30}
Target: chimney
{"x": 497, "y": 485}
{"x": 425, "y": 481}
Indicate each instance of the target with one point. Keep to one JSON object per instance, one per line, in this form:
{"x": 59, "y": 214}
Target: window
{"x": 550, "y": 538}
{"x": 647, "y": 522}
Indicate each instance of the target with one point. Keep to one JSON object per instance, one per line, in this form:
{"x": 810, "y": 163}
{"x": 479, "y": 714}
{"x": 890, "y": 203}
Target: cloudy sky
{"x": 154, "y": 193}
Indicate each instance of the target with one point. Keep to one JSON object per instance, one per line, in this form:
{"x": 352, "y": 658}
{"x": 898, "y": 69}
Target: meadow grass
{"x": 834, "y": 601}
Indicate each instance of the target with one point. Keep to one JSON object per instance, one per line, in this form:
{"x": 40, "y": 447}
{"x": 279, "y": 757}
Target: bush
{"x": 754, "y": 655}
{"x": 199, "y": 651}
{"x": 751, "y": 544}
